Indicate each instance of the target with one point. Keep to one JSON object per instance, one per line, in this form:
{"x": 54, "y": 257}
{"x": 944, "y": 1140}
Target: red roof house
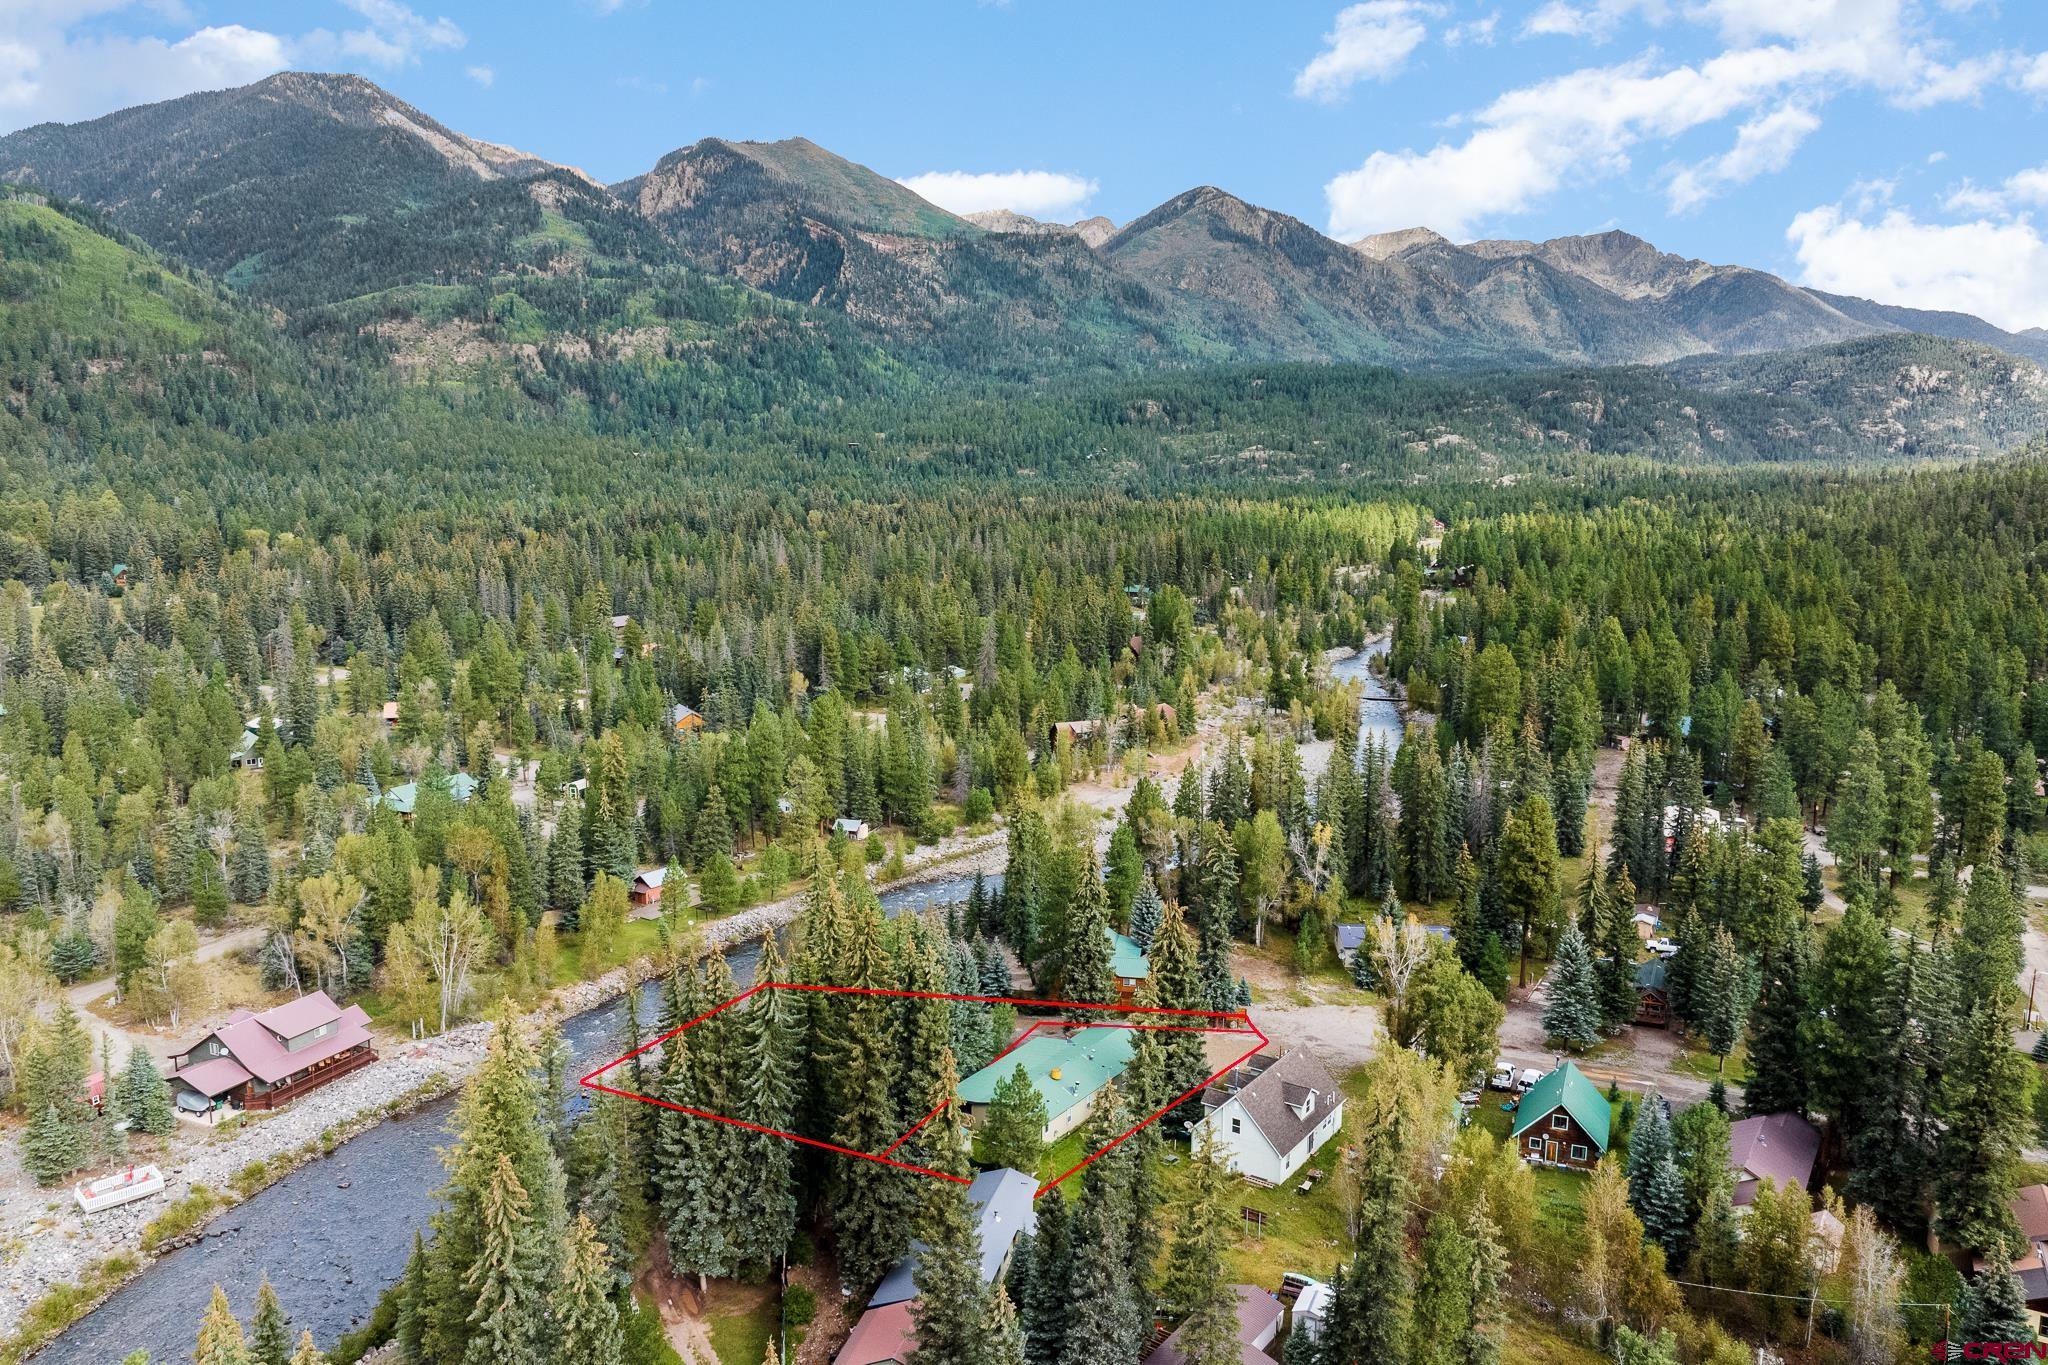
{"x": 260, "y": 1061}
{"x": 883, "y": 1336}
{"x": 1258, "y": 1322}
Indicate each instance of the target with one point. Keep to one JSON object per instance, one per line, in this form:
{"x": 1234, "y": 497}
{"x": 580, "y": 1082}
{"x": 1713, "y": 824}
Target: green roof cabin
{"x": 1067, "y": 1066}
{"x": 1562, "y": 1121}
{"x": 404, "y": 797}
{"x": 1127, "y": 961}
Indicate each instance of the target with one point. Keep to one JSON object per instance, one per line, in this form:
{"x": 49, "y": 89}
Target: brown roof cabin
{"x": 1780, "y": 1148}
{"x": 260, "y": 1061}
{"x": 2030, "y": 1254}
{"x": 1073, "y": 731}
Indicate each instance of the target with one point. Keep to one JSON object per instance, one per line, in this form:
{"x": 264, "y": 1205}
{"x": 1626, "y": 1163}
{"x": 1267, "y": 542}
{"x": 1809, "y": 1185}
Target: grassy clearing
{"x": 101, "y": 276}
{"x": 740, "y": 1334}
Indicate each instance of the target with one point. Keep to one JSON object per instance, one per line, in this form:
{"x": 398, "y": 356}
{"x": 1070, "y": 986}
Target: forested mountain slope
{"x": 308, "y": 190}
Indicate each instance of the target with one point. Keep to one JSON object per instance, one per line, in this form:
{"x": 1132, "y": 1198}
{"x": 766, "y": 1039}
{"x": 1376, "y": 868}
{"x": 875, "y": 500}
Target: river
{"x": 1379, "y": 712}
{"x": 334, "y": 1233}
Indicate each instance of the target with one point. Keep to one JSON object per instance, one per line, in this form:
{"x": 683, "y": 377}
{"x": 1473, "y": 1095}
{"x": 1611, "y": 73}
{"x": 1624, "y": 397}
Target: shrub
{"x": 181, "y": 1217}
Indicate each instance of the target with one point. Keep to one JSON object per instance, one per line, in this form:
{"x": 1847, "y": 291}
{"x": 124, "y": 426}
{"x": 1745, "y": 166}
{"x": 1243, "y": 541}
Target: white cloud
{"x": 1575, "y": 129}
{"x": 1997, "y": 270}
{"x": 75, "y": 79}
{"x": 1595, "y": 19}
{"x": 1371, "y": 41}
{"x": 1479, "y": 32}
{"x": 1038, "y": 194}
{"x": 2027, "y": 188}
{"x": 482, "y": 75}
{"x": 396, "y": 35}
{"x": 1763, "y": 145}
{"x": 2033, "y": 74}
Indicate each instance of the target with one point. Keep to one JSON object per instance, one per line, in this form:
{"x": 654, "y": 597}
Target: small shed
{"x": 852, "y": 827}
{"x": 647, "y": 885}
{"x": 1653, "y": 994}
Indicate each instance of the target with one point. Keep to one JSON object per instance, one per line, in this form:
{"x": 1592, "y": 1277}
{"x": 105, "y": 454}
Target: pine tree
{"x": 950, "y": 1308}
{"x": 1198, "y": 1288}
{"x": 1012, "y": 1132}
{"x": 1528, "y": 877}
{"x": 270, "y": 1332}
{"x": 771, "y": 1038}
{"x": 1443, "y": 1289}
{"x": 220, "y": 1337}
{"x": 142, "y": 1096}
{"x": 1046, "y": 1301}
{"x": 54, "y": 1146}
{"x": 1777, "y": 1054}
{"x": 307, "y": 1353}
{"x": 1994, "y": 1306}
{"x": 1148, "y": 911}
{"x": 583, "y": 1304}
{"x": 565, "y": 862}
{"x": 1571, "y": 1013}
{"x": 1106, "y": 1322}
{"x": 1088, "y": 976}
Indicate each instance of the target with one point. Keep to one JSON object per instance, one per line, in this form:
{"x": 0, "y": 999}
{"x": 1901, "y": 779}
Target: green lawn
{"x": 1304, "y": 1232}
{"x": 742, "y": 1338}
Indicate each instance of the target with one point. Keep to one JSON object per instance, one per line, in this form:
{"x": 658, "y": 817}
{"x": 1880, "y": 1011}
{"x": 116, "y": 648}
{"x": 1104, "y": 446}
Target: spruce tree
{"x": 1198, "y": 1289}
{"x": 1002, "y": 1334}
{"x": 1994, "y": 1306}
{"x": 1046, "y": 1302}
{"x": 142, "y": 1096}
{"x": 1088, "y": 976}
{"x": 1107, "y": 1314}
{"x": 498, "y": 1236}
{"x": 1777, "y": 1055}
{"x": 1371, "y": 1308}
{"x": 1486, "y": 1332}
{"x": 1012, "y": 1131}
{"x": 1443, "y": 1288}
{"x": 220, "y": 1337}
{"x": 1571, "y": 1013}
{"x": 409, "y": 1331}
{"x": 770, "y": 1049}
{"x": 307, "y": 1353}
{"x": 950, "y": 1309}
{"x": 270, "y": 1332}
{"x": 1984, "y": 1101}
{"x": 589, "y": 1317}
{"x": 1148, "y": 911}
{"x": 872, "y": 1203}
{"x": 54, "y": 1146}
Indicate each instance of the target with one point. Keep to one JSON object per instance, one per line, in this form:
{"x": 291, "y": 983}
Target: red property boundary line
{"x": 886, "y": 1157}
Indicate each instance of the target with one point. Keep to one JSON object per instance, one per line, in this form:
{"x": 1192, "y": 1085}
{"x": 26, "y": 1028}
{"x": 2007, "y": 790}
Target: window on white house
{"x": 1236, "y": 1125}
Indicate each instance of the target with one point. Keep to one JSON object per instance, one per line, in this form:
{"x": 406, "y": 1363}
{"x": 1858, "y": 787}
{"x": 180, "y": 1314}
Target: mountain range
{"x": 308, "y": 190}
{"x": 783, "y": 277}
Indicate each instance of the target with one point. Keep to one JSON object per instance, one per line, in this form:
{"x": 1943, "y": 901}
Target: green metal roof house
{"x": 1068, "y": 1069}
{"x": 1562, "y": 1121}
{"x": 404, "y": 797}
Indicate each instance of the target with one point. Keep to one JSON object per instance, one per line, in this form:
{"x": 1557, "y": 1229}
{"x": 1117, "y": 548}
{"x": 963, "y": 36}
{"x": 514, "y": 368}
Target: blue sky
{"x": 1892, "y": 148}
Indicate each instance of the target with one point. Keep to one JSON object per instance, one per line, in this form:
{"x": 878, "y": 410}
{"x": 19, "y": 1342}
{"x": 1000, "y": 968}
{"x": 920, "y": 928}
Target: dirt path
{"x": 104, "y": 1031}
